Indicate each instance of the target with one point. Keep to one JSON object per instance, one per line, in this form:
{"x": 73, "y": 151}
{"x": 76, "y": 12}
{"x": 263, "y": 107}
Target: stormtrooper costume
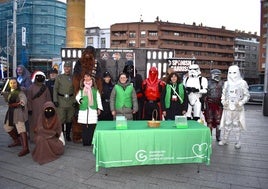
{"x": 195, "y": 86}
{"x": 234, "y": 95}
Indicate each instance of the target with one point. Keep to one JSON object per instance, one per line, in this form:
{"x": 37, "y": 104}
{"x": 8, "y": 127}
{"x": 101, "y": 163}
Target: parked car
{"x": 256, "y": 92}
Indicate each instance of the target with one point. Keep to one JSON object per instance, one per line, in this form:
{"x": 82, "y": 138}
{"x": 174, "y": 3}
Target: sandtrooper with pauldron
{"x": 234, "y": 95}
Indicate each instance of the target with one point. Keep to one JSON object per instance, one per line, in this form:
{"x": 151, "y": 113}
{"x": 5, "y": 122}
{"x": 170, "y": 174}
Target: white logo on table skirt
{"x": 141, "y": 155}
{"x": 200, "y": 149}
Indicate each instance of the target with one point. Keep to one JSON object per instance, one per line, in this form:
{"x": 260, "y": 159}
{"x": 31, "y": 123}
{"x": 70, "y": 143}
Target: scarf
{"x": 88, "y": 92}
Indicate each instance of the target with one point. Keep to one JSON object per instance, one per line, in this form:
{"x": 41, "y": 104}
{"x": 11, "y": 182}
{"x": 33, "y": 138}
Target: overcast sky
{"x": 243, "y": 15}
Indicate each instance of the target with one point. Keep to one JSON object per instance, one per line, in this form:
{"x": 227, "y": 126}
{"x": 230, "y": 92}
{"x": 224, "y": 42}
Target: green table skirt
{"x": 141, "y": 145}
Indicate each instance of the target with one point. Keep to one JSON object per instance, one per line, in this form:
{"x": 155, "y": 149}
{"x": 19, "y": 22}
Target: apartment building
{"x": 211, "y": 47}
{"x": 246, "y": 54}
{"x": 263, "y": 37}
{"x": 97, "y": 37}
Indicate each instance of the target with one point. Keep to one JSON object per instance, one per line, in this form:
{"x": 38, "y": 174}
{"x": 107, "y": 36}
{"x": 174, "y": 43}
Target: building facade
{"x": 246, "y": 54}
{"x": 263, "y": 38}
{"x": 41, "y": 32}
{"x": 211, "y": 47}
{"x": 97, "y": 37}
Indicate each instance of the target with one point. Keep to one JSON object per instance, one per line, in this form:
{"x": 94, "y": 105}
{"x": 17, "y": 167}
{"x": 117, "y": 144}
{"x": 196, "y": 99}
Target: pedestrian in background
{"x": 53, "y": 73}
{"x": 48, "y": 146}
{"x": 90, "y": 106}
{"x": 64, "y": 98}
{"x": 123, "y": 100}
{"x": 23, "y": 77}
{"x": 16, "y": 116}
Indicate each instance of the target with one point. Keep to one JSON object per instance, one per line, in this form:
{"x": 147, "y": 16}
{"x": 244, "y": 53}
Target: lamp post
{"x": 8, "y": 22}
{"x": 15, "y": 37}
{"x": 265, "y": 99}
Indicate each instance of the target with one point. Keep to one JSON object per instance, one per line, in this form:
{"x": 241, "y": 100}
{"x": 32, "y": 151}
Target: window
{"x": 153, "y": 33}
{"x": 89, "y": 41}
{"x": 103, "y": 42}
{"x": 254, "y": 48}
{"x": 132, "y": 43}
{"x": 132, "y": 34}
{"x": 143, "y": 34}
{"x": 143, "y": 43}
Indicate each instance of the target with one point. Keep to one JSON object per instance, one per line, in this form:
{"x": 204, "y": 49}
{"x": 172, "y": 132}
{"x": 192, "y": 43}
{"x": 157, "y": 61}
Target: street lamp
{"x": 8, "y": 22}
{"x": 15, "y": 37}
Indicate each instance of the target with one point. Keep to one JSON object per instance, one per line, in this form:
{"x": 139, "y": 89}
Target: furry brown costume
{"x": 86, "y": 63}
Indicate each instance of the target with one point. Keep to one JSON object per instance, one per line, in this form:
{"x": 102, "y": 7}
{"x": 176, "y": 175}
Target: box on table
{"x": 181, "y": 122}
{"x": 121, "y": 122}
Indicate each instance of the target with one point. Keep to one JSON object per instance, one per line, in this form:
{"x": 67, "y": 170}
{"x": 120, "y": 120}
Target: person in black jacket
{"x": 107, "y": 87}
{"x": 53, "y": 73}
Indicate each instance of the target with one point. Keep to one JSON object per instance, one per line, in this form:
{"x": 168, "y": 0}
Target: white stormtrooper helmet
{"x": 194, "y": 70}
{"x": 233, "y": 74}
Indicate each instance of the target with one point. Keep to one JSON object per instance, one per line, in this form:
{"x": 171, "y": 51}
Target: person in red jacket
{"x": 152, "y": 88}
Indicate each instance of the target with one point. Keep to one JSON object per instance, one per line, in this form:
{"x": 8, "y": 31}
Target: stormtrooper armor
{"x": 234, "y": 95}
{"x": 195, "y": 86}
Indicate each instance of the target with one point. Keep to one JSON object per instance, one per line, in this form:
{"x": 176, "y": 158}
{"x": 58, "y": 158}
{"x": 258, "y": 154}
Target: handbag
{"x": 61, "y": 138}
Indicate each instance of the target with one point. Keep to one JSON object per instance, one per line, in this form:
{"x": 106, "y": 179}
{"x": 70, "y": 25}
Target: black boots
{"x": 15, "y": 136}
{"x": 218, "y": 134}
{"x": 24, "y": 140}
{"x": 68, "y": 131}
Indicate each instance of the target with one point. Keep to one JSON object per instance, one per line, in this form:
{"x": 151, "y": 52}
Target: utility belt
{"x": 65, "y": 95}
{"x": 15, "y": 105}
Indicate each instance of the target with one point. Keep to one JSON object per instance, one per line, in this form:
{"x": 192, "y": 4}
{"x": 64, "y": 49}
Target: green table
{"x": 141, "y": 145}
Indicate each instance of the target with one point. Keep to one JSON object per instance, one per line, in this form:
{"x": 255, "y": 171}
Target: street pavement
{"x": 246, "y": 168}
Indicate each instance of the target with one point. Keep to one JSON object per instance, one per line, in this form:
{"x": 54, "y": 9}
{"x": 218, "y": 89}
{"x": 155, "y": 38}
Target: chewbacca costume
{"x": 87, "y": 63}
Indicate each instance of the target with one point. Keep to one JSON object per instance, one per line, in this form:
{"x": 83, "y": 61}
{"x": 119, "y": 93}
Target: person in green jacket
{"x": 123, "y": 99}
{"x": 174, "y": 100}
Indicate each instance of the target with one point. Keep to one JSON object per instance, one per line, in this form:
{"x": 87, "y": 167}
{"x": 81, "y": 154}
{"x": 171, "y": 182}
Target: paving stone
{"x": 246, "y": 168}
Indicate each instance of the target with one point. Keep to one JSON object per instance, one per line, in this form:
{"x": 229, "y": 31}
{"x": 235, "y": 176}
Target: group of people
{"x": 43, "y": 110}
{"x": 32, "y": 115}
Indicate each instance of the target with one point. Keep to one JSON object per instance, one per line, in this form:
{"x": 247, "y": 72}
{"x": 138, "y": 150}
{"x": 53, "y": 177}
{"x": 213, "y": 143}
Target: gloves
{"x": 80, "y": 100}
{"x": 56, "y": 104}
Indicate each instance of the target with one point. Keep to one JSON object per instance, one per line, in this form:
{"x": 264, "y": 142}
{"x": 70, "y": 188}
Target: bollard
{"x": 265, "y": 105}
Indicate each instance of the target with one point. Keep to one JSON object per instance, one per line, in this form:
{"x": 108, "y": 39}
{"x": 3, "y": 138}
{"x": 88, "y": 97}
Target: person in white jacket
{"x": 90, "y": 106}
{"x": 234, "y": 95}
